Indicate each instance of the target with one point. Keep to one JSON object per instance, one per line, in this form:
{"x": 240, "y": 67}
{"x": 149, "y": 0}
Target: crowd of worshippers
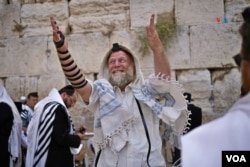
{"x": 127, "y": 111}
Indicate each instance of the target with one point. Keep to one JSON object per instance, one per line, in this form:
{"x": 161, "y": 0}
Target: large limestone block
{"x": 23, "y": 56}
{"x": 213, "y": 45}
{"x": 192, "y": 12}
{"x": 10, "y": 24}
{"x": 21, "y": 85}
{"x": 45, "y": 83}
{"x": 141, "y": 10}
{"x": 88, "y": 50}
{"x": 104, "y": 16}
{"x": 37, "y": 17}
{"x": 177, "y": 50}
{"x": 226, "y": 89}
{"x": 198, "y": 83}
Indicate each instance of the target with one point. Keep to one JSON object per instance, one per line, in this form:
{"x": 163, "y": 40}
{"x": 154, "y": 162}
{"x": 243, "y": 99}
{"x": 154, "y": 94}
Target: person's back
{"x": 6, "y": 122}
{"x": 10, "y": 131}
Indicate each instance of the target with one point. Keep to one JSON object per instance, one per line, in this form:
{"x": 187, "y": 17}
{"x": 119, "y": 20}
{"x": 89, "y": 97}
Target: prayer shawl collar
{"x": 41, "y": 127}
{"x": 114, "y": 120}
{"x": 15, "y": 136}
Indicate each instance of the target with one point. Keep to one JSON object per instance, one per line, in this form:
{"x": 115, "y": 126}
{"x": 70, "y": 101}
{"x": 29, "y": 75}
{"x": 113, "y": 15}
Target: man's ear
{"x": 64, "y": 95}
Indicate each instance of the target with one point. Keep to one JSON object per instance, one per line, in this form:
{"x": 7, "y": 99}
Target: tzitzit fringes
{"x": 187, "y": 122}
{"x": 164, "y": 77}
{"x": 108, "y": 138}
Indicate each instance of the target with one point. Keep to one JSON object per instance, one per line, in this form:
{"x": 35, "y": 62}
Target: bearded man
{"x": 127, "y": 109}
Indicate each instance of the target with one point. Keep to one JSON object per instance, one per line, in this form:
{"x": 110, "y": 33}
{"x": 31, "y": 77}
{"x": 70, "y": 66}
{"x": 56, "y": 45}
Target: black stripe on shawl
{"x": 45, "y": 128}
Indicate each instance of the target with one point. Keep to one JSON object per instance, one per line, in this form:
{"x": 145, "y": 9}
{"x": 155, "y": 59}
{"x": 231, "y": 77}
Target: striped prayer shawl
{"x": 44, "y": 132}
{"x": 41, "y": 127}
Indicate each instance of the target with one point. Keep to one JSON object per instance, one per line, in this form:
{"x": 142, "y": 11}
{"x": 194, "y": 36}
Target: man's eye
{"x": 111, "y": 62}
{"x": 122, "y": 60}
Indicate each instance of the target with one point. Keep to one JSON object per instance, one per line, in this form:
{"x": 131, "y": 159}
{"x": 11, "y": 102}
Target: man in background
{"x": 28, "y": 109}
{"x": 52, "y": 139}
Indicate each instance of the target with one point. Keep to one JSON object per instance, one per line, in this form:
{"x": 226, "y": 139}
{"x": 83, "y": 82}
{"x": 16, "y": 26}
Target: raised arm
{"x": 161, "y": 63}
{"x": 69, "y": 66}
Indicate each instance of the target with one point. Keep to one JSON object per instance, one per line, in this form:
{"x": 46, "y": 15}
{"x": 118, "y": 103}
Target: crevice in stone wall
{"x": 211, "y": 98}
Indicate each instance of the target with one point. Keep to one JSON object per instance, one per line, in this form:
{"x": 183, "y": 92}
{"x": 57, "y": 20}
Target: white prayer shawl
{"x": 114, "y": 119}
{"x": 203, "y": 146}
{"x": 118, "y": 126}
{"x": 15, "y": 136}
{"x": 37, "y": 151}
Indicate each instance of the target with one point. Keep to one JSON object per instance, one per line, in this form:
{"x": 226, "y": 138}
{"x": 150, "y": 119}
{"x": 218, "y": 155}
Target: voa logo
{"x": 236, "y": 158}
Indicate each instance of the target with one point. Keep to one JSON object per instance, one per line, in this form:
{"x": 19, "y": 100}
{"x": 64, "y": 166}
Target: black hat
{"x": 188, "y": 96}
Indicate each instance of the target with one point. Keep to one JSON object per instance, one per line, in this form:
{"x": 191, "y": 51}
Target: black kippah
{"x": 116, "y": 47}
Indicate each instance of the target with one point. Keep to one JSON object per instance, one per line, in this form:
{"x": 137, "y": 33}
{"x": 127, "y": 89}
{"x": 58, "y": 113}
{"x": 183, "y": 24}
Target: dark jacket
{"x": 59, "y": 152}
{"x": 6, "y": 122}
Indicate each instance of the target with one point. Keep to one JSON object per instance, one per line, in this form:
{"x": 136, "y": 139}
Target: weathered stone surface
{"x": 141, "y": 10}
{"x": 37, "y": 17}
{"x": 46, "y": 82}
{"x": 23, "y": 56}
{"x": 198, "y": 83}
{"x": 20, "y": 86}
{"x": 213, "y": 45}
{"x": 88, "y": 50}
{"x": 103, "y": 16}
{"x": 193, "y": 12}
{"x": 10, "y": 24}
{"x": 226, "y": 89}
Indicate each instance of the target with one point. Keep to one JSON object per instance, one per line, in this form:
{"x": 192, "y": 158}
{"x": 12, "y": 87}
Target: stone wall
{"x": 200, "y": 50}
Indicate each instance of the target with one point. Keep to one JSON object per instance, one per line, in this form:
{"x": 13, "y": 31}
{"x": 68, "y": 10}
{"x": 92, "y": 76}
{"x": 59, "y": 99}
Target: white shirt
{"x": 203, "y": 146}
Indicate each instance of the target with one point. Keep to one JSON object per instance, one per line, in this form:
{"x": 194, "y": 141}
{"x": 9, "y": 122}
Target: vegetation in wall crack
{"x": 166, "y": 29}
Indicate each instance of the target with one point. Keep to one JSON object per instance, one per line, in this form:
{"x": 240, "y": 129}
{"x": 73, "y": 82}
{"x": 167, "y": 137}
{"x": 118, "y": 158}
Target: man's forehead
{"x": 119, "y": 54}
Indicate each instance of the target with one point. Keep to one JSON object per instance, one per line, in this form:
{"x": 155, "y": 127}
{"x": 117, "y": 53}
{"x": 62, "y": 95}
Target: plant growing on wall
{"x": 165, "y": 27}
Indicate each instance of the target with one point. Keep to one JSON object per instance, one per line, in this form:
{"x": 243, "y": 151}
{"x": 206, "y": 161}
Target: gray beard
{"x": 122, "y": 79}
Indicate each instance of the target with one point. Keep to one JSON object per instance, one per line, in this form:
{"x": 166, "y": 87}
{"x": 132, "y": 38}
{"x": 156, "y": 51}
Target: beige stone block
{"x": 21, "y": 85}
{"x": 214, "y": 45}
{"x": 227, "y": 86}
{"x": 23, "y": 56}
{"x": 198, "y": 83}
{"x": 10, "y": 22}
{"x": 178, "y": 49}
{"x": 47, "y": 82}
{"x": 141, "y": 10}
{"x": 104, "y": 16}
{"x": 37, "y": 17}
{"x": 88, "y": 50}
{"x": 193, "y": 12}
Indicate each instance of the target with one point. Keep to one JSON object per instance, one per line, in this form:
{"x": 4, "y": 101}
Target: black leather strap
{"x": 146, "y": 130}
{"x": 97, "y": 157}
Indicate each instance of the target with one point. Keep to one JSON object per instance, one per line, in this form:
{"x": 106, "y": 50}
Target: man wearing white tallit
{"x": 127, "y": 109}
{"x": 10, "y": 133}
{"x": 52, "y": 139}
